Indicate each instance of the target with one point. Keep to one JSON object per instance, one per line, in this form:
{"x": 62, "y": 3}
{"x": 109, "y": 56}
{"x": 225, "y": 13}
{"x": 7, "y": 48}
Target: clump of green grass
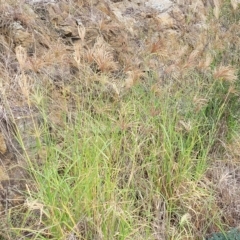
{"x": 112, "y": 167}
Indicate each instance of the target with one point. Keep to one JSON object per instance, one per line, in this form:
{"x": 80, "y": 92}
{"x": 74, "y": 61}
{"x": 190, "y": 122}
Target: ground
{"x": 111, "y": 47}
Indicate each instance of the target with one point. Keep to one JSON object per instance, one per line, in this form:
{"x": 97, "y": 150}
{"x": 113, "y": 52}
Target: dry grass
{"x": 127, "y": 132}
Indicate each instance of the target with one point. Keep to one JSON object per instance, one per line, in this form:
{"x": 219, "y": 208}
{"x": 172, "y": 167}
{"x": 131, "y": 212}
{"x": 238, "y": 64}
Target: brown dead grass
{"x": 36, "y": 48}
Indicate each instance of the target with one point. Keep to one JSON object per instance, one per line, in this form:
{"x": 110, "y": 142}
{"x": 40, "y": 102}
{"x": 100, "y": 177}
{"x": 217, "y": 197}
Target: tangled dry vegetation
{"x": 113, "y": 60}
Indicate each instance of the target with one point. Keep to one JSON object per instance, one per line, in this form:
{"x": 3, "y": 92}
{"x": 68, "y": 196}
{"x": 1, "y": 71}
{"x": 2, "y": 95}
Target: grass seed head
{"x": 102, "y": 55}
{"x": 227, "y": 73}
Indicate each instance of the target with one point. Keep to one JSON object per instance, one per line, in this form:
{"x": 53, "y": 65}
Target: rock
{"x": 21, "y": 36}
{"x": 31, "y": 2}
{"x": 159, "y": 5}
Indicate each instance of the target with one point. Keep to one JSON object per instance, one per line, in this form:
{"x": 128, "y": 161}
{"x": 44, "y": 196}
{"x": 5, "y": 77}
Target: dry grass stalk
{"x": 192, "y": 58}
{"x": 21, "y": 55}
{"x": 234, "y": 4}
{"x": 174, "y": 70}
{"x": 57, "y": 54}
{"x": 181, "y": 53}
{"x": 234, "y": 149}
{"x": 77, "y": 53}
{"x": 37, "y": 64}
{"x": 88, "y": 55}
{"x": 194, "y": 54}
{"x": 205, "y": 63}
{"x": 103, "y": 56}
{"x": 34, "y": 204}
{"x": 104, "y": 79}
{"x": 100, "y": 53}
{"x": 157, "y": 46}
{"x": 24, "y": 83}
{"x": 3, "y": 146}
{"x": 133, "y": 77}
{"x": 216, "y": 10}
{"x": 199, "y": 102}
{"x": 227, "y": 73}
{"x": 82, "y": 33}
{"x": 107, "y": 26}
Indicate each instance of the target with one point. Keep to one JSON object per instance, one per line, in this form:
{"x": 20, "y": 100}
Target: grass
{"x": 112, "y": 167}
{"x": 134, "y": 162}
